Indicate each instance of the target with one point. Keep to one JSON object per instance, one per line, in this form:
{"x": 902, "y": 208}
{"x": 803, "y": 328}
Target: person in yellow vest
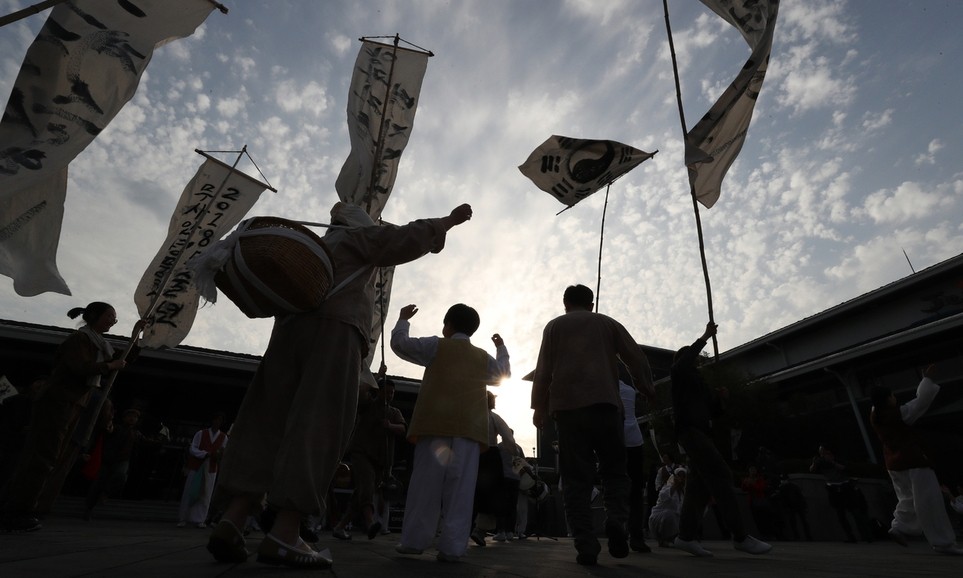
{"x": 203, "y": 456}
{"x": 449, "y": 428}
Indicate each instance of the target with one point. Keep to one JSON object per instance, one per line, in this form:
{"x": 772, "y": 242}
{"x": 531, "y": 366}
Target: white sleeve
{"x": 917, "y": 407}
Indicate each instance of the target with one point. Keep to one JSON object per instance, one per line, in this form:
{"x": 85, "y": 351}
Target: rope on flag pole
{"x": 692, "y": 191}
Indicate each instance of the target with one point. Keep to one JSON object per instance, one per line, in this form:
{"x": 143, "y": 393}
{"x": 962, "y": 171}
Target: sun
{"x": 512, "y": 403}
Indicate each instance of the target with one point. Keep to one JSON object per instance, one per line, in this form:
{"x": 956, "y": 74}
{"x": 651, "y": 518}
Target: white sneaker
{"x": 949, "y": 549}
{"x": 752, "y": 545}
{"x": 691, "y": 546}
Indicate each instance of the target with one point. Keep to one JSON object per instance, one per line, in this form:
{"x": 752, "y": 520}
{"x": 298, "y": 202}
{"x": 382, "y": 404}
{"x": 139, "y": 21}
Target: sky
{"x": 848, "y": 161}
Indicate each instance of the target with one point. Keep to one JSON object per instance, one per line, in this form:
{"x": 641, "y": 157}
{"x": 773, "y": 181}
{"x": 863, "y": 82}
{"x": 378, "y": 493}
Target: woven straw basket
{"x": 277, "y": 267}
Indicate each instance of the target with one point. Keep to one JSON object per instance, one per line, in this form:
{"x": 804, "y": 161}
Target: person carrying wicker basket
{"x": 296, "y": 417}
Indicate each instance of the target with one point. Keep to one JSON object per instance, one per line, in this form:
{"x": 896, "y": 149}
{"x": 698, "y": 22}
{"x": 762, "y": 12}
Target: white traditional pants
{"x": 442, "y": 487}
{"x": 919, "y": 506}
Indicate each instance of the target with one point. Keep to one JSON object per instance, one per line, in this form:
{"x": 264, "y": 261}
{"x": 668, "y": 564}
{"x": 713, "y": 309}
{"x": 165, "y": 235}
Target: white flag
{"x": 226, "y": 195}
{"x": 79, "y": 72}
{"x": 571, "y": 169}
{"x": 382, "y": 286}
{"x": 715, "y": 141}
{"x": 382, "y": 100}
{"x": 29, "y": 235}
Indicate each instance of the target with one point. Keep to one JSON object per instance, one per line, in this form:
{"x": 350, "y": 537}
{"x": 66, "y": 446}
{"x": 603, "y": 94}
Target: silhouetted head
{"x": 462, "y": 319}
{"x": 578, "y": 297}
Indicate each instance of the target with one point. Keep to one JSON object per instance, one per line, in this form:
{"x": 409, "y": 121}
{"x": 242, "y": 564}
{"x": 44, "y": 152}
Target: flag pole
{"x": 692, "y": 191}
{"x": 598, "y": 283}
{"x": 376, "y": 173}
{"x": 379, "y": 147}
{"x": 28, "y": 11}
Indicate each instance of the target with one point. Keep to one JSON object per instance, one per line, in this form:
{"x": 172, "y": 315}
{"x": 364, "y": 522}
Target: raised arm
{"x": 499, "y": 367}
{"x": 925, "y": 394}
{"x": 418, "y": 350}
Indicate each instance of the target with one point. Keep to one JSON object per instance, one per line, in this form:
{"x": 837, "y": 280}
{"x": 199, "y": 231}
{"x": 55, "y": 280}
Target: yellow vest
{"x": 452, "y": 401}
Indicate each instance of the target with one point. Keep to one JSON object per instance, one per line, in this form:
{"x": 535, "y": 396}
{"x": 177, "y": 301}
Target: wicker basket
{"x": 277, "y": 267}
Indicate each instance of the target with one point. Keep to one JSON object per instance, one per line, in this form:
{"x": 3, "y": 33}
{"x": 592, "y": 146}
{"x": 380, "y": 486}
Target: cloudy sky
{"x": 848, "y": 163}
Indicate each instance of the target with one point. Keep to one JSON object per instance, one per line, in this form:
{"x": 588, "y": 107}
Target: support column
{"x": 849, "y": 382}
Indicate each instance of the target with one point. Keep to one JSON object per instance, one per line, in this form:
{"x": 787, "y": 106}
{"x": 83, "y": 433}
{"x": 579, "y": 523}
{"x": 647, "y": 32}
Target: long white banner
{"x": 30, "y": 234}
{"x": 80, "y": 71}
{"x": 382, "y": 101}
{"x": 213, "y": 203}
{"x": 715, "y": 141}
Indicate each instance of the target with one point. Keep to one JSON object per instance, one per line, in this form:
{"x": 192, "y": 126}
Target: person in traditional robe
{"x": 296, "y": 417}
{"x": 919, "y": 508}
{"x": 664, "y": 519}
{"x": 449, "y": 428}
{"x": 203, "y": 456}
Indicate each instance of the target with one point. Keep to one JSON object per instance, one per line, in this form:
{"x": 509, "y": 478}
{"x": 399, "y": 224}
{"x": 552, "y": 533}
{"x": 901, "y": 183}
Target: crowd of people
{"x": 313, "y": 413}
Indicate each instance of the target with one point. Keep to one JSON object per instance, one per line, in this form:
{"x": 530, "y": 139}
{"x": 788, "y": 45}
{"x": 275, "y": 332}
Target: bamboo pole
{"x": 379, "y": 147}
{"x": 28, "y": 11}
{"x": 598, "y": 282}
{"x": 692, "y": 191}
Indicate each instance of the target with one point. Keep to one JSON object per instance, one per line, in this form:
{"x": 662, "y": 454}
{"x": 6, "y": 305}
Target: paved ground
{"x": 68, "y": 546}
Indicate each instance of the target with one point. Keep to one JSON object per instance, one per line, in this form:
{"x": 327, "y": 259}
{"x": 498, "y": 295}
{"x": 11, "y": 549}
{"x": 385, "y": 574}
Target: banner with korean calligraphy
{"x": 571, "y": 169}
{"x": 382, "y": 100}
{"x": 80, "y": 71}
{"x": 212, "y": 204}
{"x": 715, "y": 141}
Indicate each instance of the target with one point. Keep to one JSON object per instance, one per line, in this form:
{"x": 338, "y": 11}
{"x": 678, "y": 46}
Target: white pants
{"x": 442, "y": 487}
{"x": 196, "y": 513}
{"x": 919, "y": 506}
{"x": 664, "y": 525}
{"x": 521, "y": 513}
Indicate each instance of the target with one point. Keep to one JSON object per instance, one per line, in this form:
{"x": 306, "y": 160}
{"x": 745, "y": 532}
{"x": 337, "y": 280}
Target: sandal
{"x": 227, "y": 543}
{"x": 276, "y": 552}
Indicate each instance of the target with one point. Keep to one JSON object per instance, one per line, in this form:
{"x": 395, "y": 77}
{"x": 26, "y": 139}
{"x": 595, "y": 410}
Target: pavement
{"x": 117, "y": 548}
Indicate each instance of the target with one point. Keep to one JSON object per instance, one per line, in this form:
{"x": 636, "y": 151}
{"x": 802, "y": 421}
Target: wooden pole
{"x": 692, "y": 191}
{"x": 28, "y": 11}
{"x": 598, "y": 283}
{"x": 380, "y": 144}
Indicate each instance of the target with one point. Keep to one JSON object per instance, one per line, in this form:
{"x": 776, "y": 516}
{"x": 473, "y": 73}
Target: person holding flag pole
{"x": 81, "y": 362}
